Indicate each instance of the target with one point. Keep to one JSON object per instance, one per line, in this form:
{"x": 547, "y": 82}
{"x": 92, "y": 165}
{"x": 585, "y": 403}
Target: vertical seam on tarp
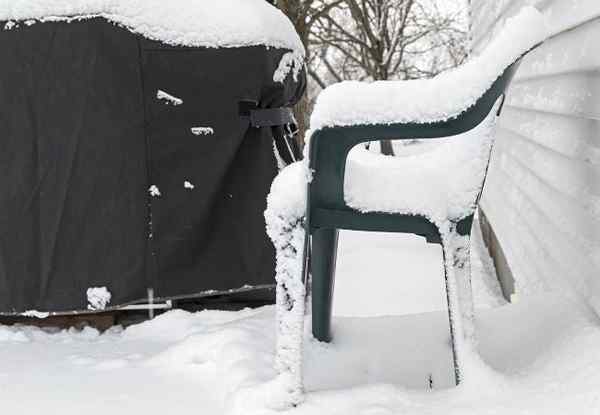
{"x": 90, "y": 69}
{"x": 150, "y": 265}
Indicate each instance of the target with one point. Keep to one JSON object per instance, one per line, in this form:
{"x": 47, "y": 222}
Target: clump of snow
{"x": 98, "y": 298}
{"x": 442, "y": 97}
{"x": 188, "y": 185}
{"x": 35, "y": 314}
{"x": 203, "y": 131}
{"x": 291, "y": 62}
{"x": 154, "y": 191}
{"x": 168, "y": 98}
{"x": 200, "y": 23}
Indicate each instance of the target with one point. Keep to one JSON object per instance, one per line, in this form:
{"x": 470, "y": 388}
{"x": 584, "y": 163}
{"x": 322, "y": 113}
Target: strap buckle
{"x": 290, "y": 131}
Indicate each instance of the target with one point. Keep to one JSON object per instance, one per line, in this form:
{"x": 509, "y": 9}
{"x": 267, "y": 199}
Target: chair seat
{"x": 439, "y": 179}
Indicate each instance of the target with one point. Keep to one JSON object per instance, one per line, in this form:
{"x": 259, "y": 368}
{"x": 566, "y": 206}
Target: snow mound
{"x": 199, "y": 23}
{"x": 541, "y": 357}
{"x": 442, "y": 97}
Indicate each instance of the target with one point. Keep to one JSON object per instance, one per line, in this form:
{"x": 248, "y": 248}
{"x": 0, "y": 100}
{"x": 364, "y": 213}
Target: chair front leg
{"x": 457, "y": 267}
{"x": 290, "y": 300}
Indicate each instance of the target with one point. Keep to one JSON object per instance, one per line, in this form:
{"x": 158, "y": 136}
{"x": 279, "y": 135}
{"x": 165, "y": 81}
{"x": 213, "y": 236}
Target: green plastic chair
{"x": 327, "y": 212}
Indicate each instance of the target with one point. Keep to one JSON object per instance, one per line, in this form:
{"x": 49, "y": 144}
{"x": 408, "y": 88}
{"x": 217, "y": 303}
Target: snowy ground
{"x": 541, "y": 354}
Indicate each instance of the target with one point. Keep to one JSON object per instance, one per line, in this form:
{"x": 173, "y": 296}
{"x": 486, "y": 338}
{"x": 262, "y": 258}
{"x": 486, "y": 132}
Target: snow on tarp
{"x": 439, "y": 98}
{"x": 199, "y": 23}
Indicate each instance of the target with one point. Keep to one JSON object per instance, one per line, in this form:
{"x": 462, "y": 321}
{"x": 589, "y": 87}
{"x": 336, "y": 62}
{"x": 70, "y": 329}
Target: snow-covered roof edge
{"x": 197, "y": 23}
{"x": 440, "y": 98}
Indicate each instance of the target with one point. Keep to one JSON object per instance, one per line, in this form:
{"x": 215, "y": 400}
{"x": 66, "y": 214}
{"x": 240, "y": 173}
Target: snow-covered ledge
{"x": 198, "y": 23}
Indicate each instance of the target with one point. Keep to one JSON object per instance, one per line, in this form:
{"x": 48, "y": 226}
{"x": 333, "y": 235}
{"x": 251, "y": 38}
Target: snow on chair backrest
{"x": 440, "y": 98}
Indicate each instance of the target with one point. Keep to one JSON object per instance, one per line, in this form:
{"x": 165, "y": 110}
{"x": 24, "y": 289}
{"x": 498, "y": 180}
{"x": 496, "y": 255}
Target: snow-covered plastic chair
{"x": 434, "y": 195}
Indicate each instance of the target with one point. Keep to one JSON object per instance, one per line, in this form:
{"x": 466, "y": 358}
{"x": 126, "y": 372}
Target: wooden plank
{"x": 575, "y": 215}
{"x": 100, "y": 321}
{"x": 561, "y": 16}
{"x": 575, "y": 180}
{"x": 574, "y": 94}
{"x": 575, "y": 138}
{"x": 520, "y": 245}
{"x": 573, "y": 268}
{"x": 573, "y": 52}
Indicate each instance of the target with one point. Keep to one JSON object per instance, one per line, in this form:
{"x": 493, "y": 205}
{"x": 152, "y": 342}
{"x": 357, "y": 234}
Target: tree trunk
{"x": 296, "y": 12}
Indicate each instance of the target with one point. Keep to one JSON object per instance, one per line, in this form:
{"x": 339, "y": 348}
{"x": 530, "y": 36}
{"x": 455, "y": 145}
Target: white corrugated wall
{"x": 542, "y": 197}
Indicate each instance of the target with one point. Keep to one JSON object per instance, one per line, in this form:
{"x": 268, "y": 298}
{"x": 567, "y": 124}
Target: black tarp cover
{"x": 83, "y": 137}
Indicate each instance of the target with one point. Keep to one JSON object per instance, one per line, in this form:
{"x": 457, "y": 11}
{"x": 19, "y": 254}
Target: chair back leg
{"x": 322, "y": 264}
{"x": 457, "y": 270}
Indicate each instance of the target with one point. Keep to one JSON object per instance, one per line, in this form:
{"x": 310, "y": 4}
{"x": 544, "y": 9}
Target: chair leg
{"x": 292, "y": 253}
{"x": 457, "y": 267}
{"x": 324, "y": 250}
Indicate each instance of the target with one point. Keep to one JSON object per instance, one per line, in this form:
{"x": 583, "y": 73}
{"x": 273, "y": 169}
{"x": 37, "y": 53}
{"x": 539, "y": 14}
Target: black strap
{"x": 271, "y": 117}
{"x": 282, "y": 123}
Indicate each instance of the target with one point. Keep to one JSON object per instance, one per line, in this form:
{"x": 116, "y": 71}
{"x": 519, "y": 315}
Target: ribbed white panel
{"x": 543, "y": 192}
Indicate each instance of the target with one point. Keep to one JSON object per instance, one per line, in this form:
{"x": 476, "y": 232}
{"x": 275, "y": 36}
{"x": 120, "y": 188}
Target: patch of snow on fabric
{"x": 154, "y": 191}
{"x": 291, "y": 62}
{"x": 203, "y": 131}
{"x": 98, "y": 298}
{"x": 35, "y": 314}
{"x": 168, "y": 98}
{"x": 188, "y": 185}
{"x": 427, "y": 100}
{"x": 200, "y": 23}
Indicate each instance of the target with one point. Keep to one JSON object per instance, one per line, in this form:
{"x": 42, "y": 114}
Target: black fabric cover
{"x": 83, "y": 137}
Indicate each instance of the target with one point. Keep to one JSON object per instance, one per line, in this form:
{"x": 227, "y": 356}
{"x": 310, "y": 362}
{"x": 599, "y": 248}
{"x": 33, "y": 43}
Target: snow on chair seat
{"x": 342, "y": 186}
{"x": 454, "y": 167}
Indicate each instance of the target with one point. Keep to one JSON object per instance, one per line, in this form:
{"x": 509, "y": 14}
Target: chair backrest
{"x": 329, "y": 146}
